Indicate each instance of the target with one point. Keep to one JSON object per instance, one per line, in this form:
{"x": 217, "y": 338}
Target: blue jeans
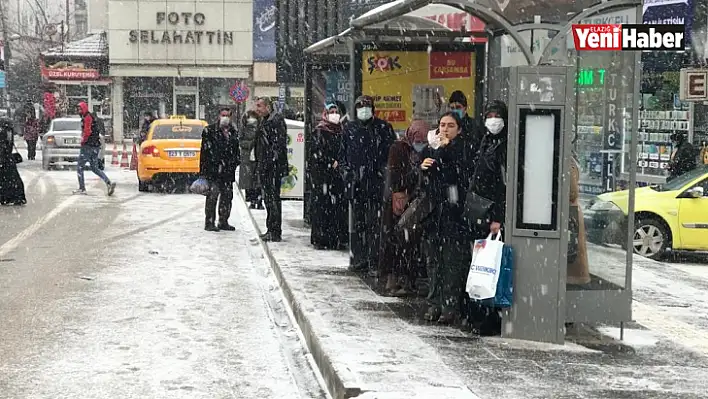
{"x": 90, "y": 155}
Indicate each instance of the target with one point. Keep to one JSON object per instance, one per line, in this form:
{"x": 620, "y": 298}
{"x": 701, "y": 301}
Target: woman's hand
{"x": 427, "y": 163}
{"x": 444, "y": 140}
{"x": 494, "y": 227}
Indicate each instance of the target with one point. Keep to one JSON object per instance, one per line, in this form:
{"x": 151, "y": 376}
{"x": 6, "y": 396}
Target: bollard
{"x": 124, "y": 157}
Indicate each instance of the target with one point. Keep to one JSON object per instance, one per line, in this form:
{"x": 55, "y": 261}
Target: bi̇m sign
{"x": 609, "y": 37}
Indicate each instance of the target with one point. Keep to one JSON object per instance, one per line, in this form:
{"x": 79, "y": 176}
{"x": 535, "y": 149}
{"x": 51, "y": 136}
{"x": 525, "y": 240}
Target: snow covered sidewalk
{"x": 365, "y": 345}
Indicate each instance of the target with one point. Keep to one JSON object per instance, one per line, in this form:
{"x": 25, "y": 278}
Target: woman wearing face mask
{"x": 247, "y": 178}
{"x": 446, "y": 238}
{"x": 329, "y": 208}
{"x": 489, "y": 181}
{"x": 399, "y": 255}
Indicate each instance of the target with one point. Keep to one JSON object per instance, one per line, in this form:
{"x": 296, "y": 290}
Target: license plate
{"x": 181, "y": 154}
{"x": 71, "y": 141}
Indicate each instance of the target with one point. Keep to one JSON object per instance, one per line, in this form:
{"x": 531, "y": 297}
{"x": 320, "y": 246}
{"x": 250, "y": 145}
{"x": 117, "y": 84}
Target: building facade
{"x": 174, "y": 57}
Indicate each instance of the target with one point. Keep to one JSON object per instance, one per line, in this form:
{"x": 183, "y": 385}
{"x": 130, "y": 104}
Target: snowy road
{"x": 128, "y": 297}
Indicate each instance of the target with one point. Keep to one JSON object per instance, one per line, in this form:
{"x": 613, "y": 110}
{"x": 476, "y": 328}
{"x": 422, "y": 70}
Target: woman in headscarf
{"x": 399, "y": 256}
{"x": 247, "y": 178}
{"x": 12, "y": 189}
{"x": 329, "y": 207}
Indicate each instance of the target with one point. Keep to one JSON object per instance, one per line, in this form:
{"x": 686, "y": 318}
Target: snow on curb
{"x": 359, "y": 353}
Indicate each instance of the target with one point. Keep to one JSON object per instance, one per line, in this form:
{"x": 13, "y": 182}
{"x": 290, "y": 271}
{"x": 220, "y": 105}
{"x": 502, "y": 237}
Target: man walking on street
{"x": 272, "y": 161}
{"x": 219, "y": 158}
{"x": 90, "y": 150}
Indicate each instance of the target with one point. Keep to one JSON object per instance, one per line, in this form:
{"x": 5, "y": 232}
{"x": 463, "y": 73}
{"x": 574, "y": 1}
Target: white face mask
{"x": 334, "y": 118}
{"x": 224, "y": 121}
{"x": 364, "y": 113}
{"x": 433, "y": 139}
{"x": 251, "y": 121}
{"x": 494, "y": 125}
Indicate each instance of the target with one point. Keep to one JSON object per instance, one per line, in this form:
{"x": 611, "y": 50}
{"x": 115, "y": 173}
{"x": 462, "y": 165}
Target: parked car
{"x": 62, "y": 143}
{"x": 171, "y": 150}
{"x": 671, "y": 216}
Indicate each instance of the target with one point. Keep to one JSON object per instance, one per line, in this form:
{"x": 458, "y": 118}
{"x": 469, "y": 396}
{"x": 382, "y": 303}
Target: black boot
{"x": 272, "y": 237}
{"x": 227, "y": 227}
{"x": 210, "y": 227}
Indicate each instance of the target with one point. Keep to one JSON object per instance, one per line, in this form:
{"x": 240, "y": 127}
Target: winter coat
{"x": 682, "y": 160}
{"x": 447, "y": 185}
{"x": 31, "y": 129}
{"x": 363, "y": 156}
{"x": 489, "y": 177}
{"x": 247, "y": 178}
{"x": 472, "y": 135}
{"x": 272, "y": 148}
{"x": 219, "y": 156}
{"x": 12, "y": 189}
{"x": 401, "y": 180}
{"x": 90, "y": 137}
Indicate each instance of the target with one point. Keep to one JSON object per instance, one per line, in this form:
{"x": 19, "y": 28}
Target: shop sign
{"x": 400, "y": 83}
{"x": 451, "y": 65}
{"x": 64, "y": 70}
{"x": 693, "y": 84}
{"x": 612, "y": 136}
{"x": 185, "y": 21}
{"x": 292, "y": 185}
{"x": 265, "y": 15}
{"x": 239, "y": 92}
{"x": 670, "y": 12}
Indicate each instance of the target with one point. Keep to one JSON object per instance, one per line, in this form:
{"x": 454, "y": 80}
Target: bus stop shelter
{"x": 544, "y": 298}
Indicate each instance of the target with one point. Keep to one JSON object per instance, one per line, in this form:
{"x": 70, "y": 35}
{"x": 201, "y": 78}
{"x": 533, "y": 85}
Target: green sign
{"x": 591, "y": 77}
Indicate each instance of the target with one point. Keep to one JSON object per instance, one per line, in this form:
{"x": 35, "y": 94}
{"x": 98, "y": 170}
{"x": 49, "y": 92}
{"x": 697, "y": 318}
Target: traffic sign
{"x": 239, "y": 92}
{"x": 694, "y": 85}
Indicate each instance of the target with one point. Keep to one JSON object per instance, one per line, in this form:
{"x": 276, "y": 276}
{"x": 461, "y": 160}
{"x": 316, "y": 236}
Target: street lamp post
{"x": 6, "y": 56}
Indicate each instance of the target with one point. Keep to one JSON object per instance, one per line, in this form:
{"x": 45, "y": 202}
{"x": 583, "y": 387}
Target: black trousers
{"x": 31, "y": 149}
{"x": 253, "y": 195}
{"x": 221, "y": 192}
{"x": 273, "y": 204}
{"x": 364, "y": 232}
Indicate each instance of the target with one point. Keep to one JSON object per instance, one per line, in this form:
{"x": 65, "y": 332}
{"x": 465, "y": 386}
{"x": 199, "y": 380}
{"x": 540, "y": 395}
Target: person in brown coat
{"x": 578, "y": 271}
{"x": 399, "y": 258}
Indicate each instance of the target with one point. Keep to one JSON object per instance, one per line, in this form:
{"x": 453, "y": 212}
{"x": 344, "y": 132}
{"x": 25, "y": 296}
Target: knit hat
{"x": 417, "y": 132}
{"x": 498, "y": 107}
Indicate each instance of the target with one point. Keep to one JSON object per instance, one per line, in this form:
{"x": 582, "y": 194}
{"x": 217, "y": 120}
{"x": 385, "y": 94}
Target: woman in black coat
{"x": 329, "y": 207}
{"x": 12, "y": 189}
{"x": 446, "y": 238}
{"x": 489, "y": 181}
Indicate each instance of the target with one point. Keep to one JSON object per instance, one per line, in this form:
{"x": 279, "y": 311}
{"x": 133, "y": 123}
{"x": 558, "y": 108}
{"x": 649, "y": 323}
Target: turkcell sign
{"x": 624, "y": 37}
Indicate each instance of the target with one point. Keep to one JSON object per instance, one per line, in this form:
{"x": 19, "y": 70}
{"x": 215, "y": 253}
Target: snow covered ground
{"x": 152, "y": 307}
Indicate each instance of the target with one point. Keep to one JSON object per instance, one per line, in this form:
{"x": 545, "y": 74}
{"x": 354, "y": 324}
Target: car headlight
{"x": 604, "y": 206}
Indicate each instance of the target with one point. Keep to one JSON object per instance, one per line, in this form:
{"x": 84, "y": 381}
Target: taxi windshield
{"x": 189, "y": 131}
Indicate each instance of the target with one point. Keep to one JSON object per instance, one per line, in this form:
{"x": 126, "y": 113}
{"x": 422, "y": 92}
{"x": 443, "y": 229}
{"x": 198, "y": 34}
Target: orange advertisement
{"x": 416, "y": 84}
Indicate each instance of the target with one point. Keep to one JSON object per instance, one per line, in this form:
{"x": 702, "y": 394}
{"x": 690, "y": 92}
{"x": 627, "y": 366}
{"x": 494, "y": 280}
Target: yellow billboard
{"x": 408, "y": 84}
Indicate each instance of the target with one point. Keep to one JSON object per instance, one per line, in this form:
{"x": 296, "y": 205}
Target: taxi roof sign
{"x": 178, "y": 117}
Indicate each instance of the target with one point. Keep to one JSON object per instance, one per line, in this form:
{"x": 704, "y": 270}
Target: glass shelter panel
{"x": 598, "y": 228}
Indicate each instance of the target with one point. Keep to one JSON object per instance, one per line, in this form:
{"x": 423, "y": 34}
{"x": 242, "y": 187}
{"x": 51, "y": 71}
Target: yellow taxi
{"x": 171, "y": 149}
{"x": 671, "y": 216}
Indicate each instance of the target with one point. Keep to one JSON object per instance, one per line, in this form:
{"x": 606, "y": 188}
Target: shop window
{"x": 76, "y": 91}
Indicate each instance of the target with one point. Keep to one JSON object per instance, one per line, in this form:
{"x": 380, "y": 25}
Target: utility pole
{"x": 6, "y": 56}
{"x": 66, "y": 18}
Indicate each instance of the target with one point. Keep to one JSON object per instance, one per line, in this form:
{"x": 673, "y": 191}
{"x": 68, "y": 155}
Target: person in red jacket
{"x": 90, "y": 150}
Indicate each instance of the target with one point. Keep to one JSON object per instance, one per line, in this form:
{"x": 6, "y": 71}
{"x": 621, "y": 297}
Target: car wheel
{"x": 143, "y": 186}
{"x": 651, "y": 237}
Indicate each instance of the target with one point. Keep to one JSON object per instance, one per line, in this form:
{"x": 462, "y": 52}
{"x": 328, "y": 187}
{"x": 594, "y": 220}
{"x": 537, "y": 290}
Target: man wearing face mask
{"x": 272, "y": 161}
{"x": 683, "y": 157}
{"x": 471, "y": 133}
{"x": 247, "y": 178}
{"x": 219, "y": 158}
{"x": 362, "y": 160}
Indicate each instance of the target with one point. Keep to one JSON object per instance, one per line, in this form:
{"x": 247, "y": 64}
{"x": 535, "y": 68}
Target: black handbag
{"x": 16, "y": 156}
{"x": 476, "y": 208}
{"x": 412, "y": 222}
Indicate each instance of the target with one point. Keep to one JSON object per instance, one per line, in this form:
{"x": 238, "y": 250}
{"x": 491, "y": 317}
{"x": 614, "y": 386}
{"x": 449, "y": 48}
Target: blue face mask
{"x": 460, "y": 113}
{"x": 419, "y": 147}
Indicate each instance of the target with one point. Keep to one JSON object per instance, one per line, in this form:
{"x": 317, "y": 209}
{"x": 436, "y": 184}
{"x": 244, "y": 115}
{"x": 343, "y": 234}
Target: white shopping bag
{"x": 484, "y": 271}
